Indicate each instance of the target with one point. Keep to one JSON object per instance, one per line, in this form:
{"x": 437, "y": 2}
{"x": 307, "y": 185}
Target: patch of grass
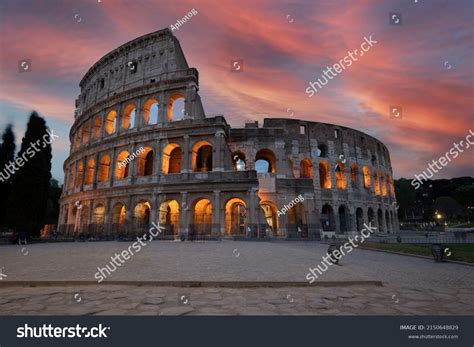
{"x": 461, "y": 252}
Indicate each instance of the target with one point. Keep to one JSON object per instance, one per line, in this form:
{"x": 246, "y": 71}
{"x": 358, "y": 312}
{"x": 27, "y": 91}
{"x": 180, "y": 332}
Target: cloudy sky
{"x": 425, "y": 65}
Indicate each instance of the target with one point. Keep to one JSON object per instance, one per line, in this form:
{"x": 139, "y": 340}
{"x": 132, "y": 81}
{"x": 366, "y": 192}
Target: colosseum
{"x": 143, "y": 151}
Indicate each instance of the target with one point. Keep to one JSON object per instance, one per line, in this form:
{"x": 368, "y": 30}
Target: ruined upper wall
{"x": 148, "y": 59}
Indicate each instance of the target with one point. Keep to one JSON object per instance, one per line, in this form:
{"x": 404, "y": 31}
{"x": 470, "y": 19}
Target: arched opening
{"x": 324, "y": 176}
{"x": 306, "y": 168}
{"x": 322, "y": 151}
{"x": 341, "y": 181}
{"x": 380, "y": 220}
{"x": 150, "y": 112}
{"x": 73, "y": 216}
{"x": 169, "y": 217}
{"x": 327, "y": 218}
{"x": 202, "y": 157}
{"x": 86, "y": 133}
{"x": 270, "y": 214}
{"x": 354, "y": 175}
{"x": 96, "y": 127}
{"x": 111, "y": 122}
{"x": 121, "y": 170}
{"x": 104, "y": 168}
{"x": 297, "y": 221}
{"x": 119, "y": 213}
{"x": 90, "y": 171}
{"x": 171, "y": 159}
{"x": 175, "y": 109}
{"x": 376, "y": 183}
{"x": 371, "y": 216}
{"x": 141, "y": 213}
{"x": 366, "y": 173}
{"x": 343, "y": 219}
{"x": 83, "y": 218}
{"x": 387, "y": 222}
{"x": 98, "y": 215}
{"x": 238, "y": 159}
{"x": 359, "y": 219}
{"x": 383, "y": 183}
{"x": 265, "y": 161}
{"x": 128, "y": 119}
{"x": 235, "y": 216}
{"x": 78, "y": 141}
{"x": 80, "y": 172}
{"x": 145, "y": 162}
{"x": 201, "y": 217}
{"x": 71, "y": 177}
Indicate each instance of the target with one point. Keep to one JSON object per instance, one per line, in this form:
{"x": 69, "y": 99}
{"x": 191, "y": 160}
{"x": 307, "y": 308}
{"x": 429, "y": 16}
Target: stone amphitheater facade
{"x": 143, "y": 151}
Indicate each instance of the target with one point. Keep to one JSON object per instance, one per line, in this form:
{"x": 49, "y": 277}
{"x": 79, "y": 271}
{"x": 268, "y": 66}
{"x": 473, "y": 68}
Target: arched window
{"x": 104, "y": 168}
{"x": 239, "y": 161}
{"x": 78, "y": 141}
{"x": 175, "y": 108}
{"x": 96, "y": 127}
{"x": 171, "y": 159}
{"x": 145, "y": 162}
{"x": 376, "y": 183}
{"x": 71, "y": 177}
{"x": 150, "y": 112}
{"x": 202, "y": 217}
{"x": 327, "y": 218}
{"x": 118, "y": 213}
{"x": 322, "y": 151}
{"x": 366, "y": 173}
{"x": 90, "y": 171}
{"x": 202, "y": 157}
{"x": 128, "y": 119}
{"x": 265, "y": 161}
{"x": 85, "y": 133}
{"x": 341, "y": 182}
{"x": 141, "y": 213}
{"x": 354, "y": 174}
{"x": 98, "y": 215}
{"x": 80, "y": 171}
{"x": 383, "y": 183}
{"x": 324, "y": 175}
{"x": 111, "y": 122}
{"x": 306, "y": 168}
{"x": 235, "y": 216}
{"x": 121, "y": 170}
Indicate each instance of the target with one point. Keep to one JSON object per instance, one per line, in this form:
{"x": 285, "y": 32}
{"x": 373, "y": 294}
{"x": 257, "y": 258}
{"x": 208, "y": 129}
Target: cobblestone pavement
{"x": 147, "y": 300}
{"x": 224, "y": 261}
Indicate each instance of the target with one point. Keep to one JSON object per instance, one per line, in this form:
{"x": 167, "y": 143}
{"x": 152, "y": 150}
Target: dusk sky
{"x": 424, "y": 65}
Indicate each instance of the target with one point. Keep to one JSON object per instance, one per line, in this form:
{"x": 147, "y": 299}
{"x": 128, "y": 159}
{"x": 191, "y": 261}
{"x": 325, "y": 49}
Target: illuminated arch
{"x": 128, "y": 118}
{"x": 169, "y": 216}
{"x": 202, "y": 157}
{"x": 366, "y": 173}
{"x": 141, "y": 212}
{"x": 145, "y": 162}
{"x": 121, "y": 168}
{"x": 306, "y": 168}
{"x": 150, "y": 111}
{"x": 90, "y": 172}
{"x": 111, "y": 122}
{"x": 324, "y": 175}
{"x": 104, "y": 168}
{"x": 119, "y": 213}
{"x": 175, "y": 108}
{"x": 341, "y": 181}
{"x": 235, "y": 216}
{"x": 80, "y": 170}
{"x": 98, "y": 214}
{"x": 354, "y": 175}
{"x": 85, "y": 133}
{"x": 97, "y": 124}
{"x": 202, "y": 217}
{"x": 376, "y": 183}
{"x": 172, "y": 158}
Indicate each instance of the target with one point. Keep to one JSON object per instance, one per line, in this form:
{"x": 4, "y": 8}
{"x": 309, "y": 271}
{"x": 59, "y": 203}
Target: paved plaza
{"x": 410, "y": 285}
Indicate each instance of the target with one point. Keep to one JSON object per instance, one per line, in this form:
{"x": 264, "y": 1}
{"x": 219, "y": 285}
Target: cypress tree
{"x": 7, "y": 154}
{"x": 31, "y": 182}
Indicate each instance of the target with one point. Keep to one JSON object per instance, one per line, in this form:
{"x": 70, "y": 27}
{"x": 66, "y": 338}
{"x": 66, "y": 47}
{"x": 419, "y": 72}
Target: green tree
{"x": 406, "y": 196}
{"x": 465, "y": 195}
{"x": 448, "y": 207}
{"x": 31, "y": 183}
{"x": 7, "y": 154}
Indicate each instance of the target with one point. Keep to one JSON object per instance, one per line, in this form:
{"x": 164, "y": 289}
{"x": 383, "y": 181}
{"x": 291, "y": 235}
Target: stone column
{"x": 184, "y": 214}
{"x": 154, "y": 207}
{"x": 162, "y": 109}
{"x": 84, "y": 169}
{"x": 217, "y": 159}
{"x": 96, "y": 170}
{"x": 107, "y": 216}
{"x": 113, "y": 160}
{"x": 119, "y": 119}
{"x": 158, "y": 158}
{"x": 102, "y": 125}
{"x": 134, "y": 163}
{"x": 91, "y": 129}
{"x": 139, "y": 123}
{"x": 216, "y": 212}
{"x": 186, "y": 164}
